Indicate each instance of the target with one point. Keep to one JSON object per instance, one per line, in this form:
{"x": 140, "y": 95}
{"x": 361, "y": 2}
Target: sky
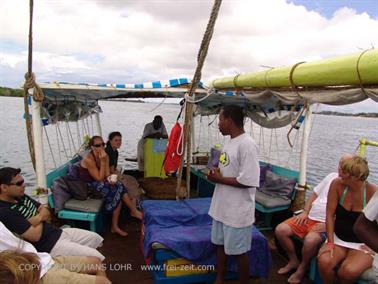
{"x": 131, "y": 41}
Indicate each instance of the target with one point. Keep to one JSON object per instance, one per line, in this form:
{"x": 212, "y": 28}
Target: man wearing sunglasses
{"x": 27, "y": 218}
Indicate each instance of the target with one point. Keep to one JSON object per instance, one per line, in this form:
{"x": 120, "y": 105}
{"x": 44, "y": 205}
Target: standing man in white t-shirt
{"x": 233, "y": 203}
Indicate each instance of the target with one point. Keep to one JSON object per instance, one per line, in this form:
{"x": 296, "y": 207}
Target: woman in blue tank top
{"x": 344, "y": 256}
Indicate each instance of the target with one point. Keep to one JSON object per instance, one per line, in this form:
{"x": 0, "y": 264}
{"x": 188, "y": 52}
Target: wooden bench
{"x": 95, "y": 219}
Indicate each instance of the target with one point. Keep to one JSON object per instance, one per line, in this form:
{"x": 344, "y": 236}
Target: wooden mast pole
{"x": 190, "y": 99}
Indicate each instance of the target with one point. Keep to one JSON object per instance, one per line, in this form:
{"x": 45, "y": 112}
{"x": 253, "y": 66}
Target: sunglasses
{"x": 99, "y": 145}
{"x": 19, "y": 183}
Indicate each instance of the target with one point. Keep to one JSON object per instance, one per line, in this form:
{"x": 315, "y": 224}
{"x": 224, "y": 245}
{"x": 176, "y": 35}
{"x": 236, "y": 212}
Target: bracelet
{"x": 331, "y": 245}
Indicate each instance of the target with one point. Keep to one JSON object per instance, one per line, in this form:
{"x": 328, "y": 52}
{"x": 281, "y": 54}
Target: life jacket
{"x": 173, "y": 152}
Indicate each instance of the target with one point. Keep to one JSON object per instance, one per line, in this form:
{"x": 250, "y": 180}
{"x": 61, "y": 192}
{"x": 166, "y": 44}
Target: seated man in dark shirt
{"x": 155, "y": 129}
{"x": 27, "y": 218}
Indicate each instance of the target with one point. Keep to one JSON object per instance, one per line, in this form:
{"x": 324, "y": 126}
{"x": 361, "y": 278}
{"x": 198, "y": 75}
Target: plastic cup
{"x": 113, "y": 178}
{"x": 43, "y": 198}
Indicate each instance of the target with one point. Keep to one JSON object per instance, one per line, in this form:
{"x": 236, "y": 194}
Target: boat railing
{"x": 362, "y": 146}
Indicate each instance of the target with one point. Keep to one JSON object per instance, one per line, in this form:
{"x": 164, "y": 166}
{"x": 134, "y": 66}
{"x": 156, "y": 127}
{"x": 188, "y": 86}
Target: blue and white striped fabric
{"x": 149, "y": 85}
{"x": 173, "y": 88}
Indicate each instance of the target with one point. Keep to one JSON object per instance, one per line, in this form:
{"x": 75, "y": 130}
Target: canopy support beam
{"x": 304, "y": 147}
{"x": 302, "y": 185}
{"x": 38, "y": 142}
{"x": 98, "y": 124}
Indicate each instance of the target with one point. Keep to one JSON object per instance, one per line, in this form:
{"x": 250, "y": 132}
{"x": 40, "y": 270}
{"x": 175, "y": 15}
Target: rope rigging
{"x": 189, "y": 106}
{"x": 26, "y": 90}
{"x": 29, "y": 84}
{"x": 61, "y": 138}
{"x": 57, "y": 139}
{"x": 48, "y": 142}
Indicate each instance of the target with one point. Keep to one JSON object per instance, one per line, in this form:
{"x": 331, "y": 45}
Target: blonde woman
{"x": 12, "y": 264}
{"x": 347, "y": 197}
{"x": 20, "y": 263}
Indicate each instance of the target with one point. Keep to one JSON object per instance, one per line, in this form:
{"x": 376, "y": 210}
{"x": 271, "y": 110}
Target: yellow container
{"x": 181, "y": 267}
{"x": 154, "y": 152}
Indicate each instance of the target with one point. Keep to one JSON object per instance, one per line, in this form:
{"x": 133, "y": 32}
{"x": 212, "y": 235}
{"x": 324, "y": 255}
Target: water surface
{"x": 331, "y": 136}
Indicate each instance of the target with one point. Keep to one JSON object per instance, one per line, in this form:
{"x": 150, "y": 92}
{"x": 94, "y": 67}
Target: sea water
{"x": 331, "y": 136}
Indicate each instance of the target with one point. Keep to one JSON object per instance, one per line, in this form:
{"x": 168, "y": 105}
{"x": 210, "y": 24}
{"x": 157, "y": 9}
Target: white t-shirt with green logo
{"x": 235, "y": 206}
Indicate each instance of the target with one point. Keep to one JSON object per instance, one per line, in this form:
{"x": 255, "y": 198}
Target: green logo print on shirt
{"x": 224, "y": 159}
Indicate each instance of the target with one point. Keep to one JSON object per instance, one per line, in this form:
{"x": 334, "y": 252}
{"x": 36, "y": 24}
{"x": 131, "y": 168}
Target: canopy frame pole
{"x": 38, "y": 143}
{"x": 98, "y": 124}
{"x": 302, "y": 185}
{"x": 304, "y": 148}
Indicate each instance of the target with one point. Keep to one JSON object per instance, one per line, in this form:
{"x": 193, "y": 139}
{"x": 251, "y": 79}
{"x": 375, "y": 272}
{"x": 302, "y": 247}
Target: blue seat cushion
{"x": 263, "y": 171}
{"x": 269, "y": 201}
{"x": 278, "y": 186}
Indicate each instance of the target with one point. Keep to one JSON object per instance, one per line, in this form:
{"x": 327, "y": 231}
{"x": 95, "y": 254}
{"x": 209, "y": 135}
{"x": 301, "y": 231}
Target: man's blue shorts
{"x": 236, "y": 241}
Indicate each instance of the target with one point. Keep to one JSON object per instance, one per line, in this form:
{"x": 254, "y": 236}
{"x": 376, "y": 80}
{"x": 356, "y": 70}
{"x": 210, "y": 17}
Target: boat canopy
{"x": 271, "y": 98}
{"x": 71, "y": 102}
{"x": 65, "y": 101}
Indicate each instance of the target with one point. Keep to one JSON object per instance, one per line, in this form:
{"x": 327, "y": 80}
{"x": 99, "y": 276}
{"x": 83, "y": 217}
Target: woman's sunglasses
{"x": 19, "y": 183}
{"x": 99, "y": 145}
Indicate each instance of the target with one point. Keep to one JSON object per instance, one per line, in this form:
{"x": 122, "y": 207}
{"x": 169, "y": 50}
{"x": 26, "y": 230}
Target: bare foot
{"x": 118, "y": 231}
{"x": 136, "y": 214}
{"x": 287, "y": 268}
{"x": 296, "y": 277}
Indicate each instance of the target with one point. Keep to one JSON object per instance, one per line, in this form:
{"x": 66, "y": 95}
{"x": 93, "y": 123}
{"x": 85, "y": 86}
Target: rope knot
{"x": 30, "y": 83}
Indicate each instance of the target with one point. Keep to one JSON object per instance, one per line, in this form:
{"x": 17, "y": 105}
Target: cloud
{"x": 138, "y": 41}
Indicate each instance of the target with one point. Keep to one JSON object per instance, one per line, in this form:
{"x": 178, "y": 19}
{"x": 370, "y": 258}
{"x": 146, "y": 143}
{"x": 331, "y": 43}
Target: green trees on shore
{"x": 9, "y": 92}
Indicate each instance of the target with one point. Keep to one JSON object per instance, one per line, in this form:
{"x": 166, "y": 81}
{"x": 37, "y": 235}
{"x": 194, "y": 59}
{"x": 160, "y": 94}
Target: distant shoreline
{"x": 361, "y": 114}
{"x": 9, "y": 92}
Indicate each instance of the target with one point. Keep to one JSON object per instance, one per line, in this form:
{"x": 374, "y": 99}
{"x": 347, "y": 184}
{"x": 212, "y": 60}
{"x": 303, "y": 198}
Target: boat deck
{"x": 126, "y": 250}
